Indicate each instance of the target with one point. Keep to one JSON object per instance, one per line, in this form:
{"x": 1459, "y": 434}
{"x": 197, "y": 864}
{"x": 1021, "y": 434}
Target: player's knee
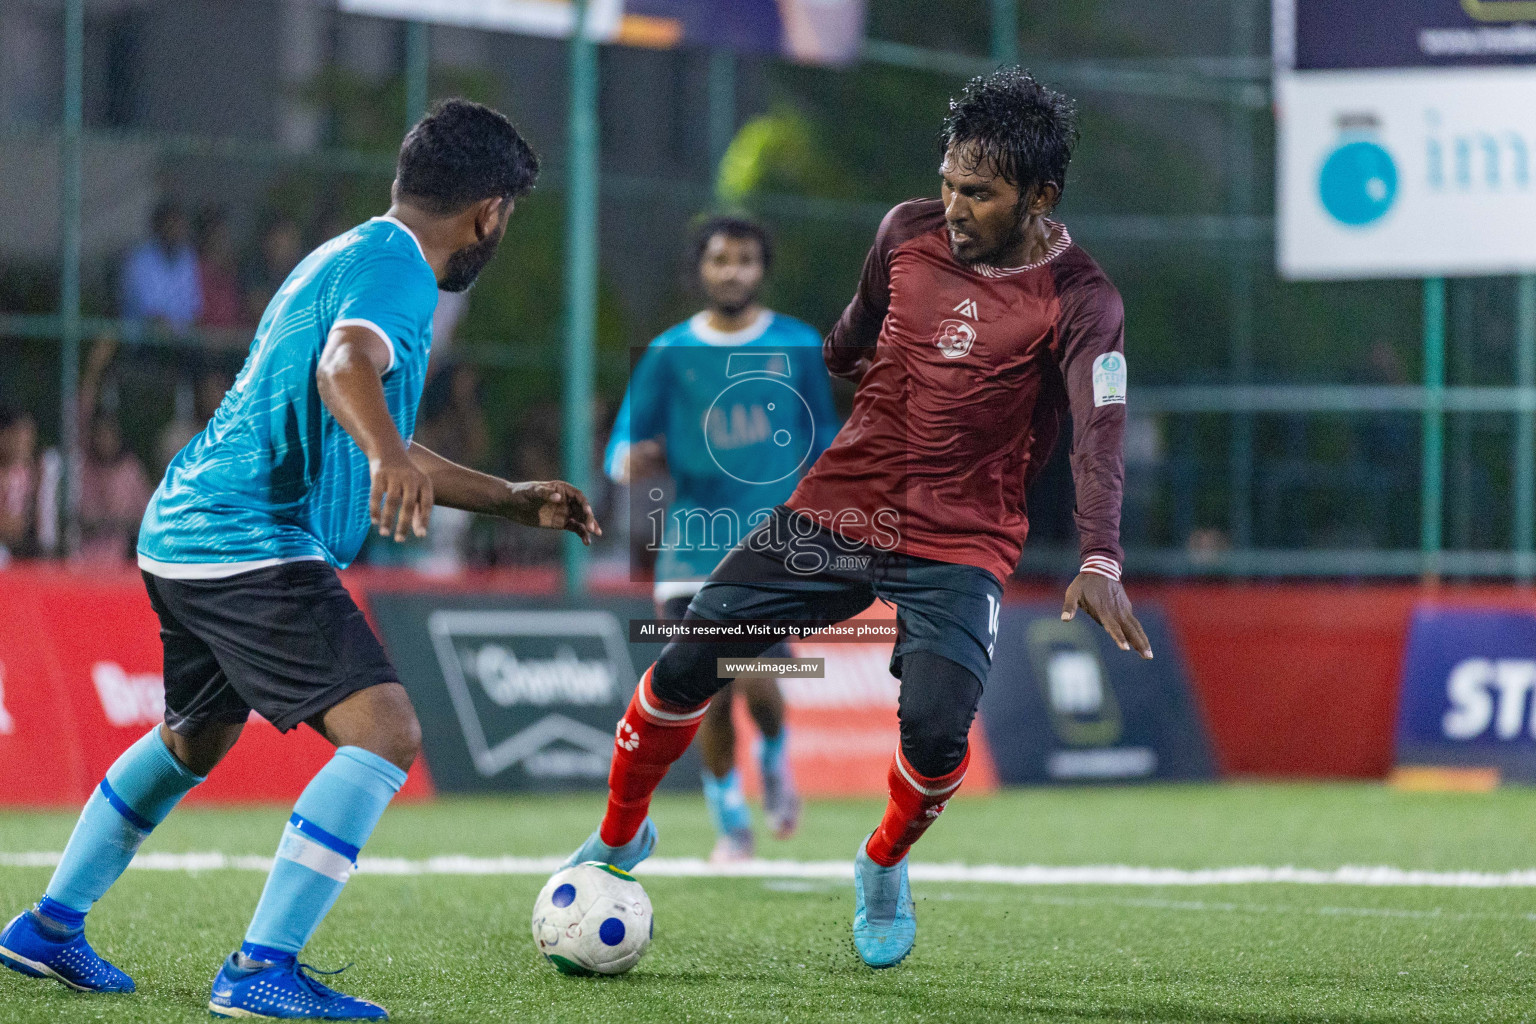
{"x": 385, "y": 724}
{"x": 685, "y": 674}
{"x": 718, "y": 715}
{"x": 938, "y": 702}
{"x": 399, "y": 740}
{"x": 934, "y": 748}
{"x": 201, "y": 751}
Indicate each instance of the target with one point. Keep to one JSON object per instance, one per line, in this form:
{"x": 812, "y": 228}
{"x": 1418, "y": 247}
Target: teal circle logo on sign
{"x": 1358, "y": 183}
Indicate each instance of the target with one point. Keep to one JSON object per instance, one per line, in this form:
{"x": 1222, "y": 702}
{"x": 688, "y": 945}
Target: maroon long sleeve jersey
{"x": 971, "y": 369}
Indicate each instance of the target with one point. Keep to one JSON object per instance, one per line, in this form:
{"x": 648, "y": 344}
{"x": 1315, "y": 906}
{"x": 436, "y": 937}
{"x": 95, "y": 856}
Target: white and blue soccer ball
{"x": 593, "y": 918}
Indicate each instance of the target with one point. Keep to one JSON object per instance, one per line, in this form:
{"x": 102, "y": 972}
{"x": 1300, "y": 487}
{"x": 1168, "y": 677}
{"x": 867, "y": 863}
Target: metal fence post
{"x": 70, "y": 188}
{"x": 1525, "y": 428}
{"x": 1240, "y": 288}
{"x": 418, "y": 71}
{"x": 1432, "y": 480}
{"x": 581, "y": 197}
{"x": 1005, "y": 31}
{"x": 722, "y": 111}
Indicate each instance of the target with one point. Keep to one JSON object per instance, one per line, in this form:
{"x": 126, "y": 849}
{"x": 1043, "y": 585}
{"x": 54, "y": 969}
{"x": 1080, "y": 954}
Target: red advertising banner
{"x": 80, "y": 664}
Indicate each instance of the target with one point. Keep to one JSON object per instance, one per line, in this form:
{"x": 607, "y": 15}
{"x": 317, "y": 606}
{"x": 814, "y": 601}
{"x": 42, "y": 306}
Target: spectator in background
{"x": 113, "y": 487}
{"x": 18, "y": 483}
{"x": 280, "y": 246}
{"x": 160, "y": 283}
{"x": 452, "y": 424}
{"x": 216, "y": 271}
{"x": 195, "y": 405}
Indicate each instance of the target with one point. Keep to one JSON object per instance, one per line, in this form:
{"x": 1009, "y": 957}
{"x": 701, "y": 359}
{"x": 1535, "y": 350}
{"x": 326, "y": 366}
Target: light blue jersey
{"x": 273, "y": 477}
{"x": 743, "y": 414}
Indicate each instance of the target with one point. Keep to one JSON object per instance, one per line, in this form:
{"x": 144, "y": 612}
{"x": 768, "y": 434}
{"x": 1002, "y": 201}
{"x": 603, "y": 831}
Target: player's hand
{"x": 553, "y": 505}
{"x": 401, "y": 499}
{"x": 1104, "y": 599}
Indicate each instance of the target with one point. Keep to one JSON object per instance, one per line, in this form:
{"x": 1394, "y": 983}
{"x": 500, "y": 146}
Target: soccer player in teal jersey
{"x": 240, "y": 547}
{"x": 736, "y": 403}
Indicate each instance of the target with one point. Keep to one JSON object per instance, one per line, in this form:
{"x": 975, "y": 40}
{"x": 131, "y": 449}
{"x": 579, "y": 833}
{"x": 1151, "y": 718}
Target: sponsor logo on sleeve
{"x": 1109, "y": 379}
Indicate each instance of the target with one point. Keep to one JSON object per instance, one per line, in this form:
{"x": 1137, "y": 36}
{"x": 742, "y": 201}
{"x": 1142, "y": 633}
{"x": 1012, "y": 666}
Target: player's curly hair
{"x": 461, "y": 153}
{"x": 1019, "y": 126}
{"x": 731, "y": 225}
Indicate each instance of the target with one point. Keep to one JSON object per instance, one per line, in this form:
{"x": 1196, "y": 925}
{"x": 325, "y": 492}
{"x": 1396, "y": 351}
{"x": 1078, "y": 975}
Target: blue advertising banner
{"x": 1328, "y": 35}
{"x": 1064, "y": 704}
{"x": 1467, "y": 685}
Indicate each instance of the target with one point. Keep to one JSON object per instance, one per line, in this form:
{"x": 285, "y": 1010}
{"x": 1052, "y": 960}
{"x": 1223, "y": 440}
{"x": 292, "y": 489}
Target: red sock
{"x": 651, "y": 735}
{"x": 916, "y": 801}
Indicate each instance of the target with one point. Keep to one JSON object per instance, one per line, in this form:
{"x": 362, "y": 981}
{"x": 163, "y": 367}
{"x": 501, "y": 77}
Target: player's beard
{"x": 733, "y": 306}
{"x": 990, "y": 257}
{"x": 465, "y": 265}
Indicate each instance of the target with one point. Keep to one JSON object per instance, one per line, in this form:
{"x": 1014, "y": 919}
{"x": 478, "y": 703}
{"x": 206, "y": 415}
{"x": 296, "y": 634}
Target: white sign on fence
{"x": 1407, "y": 173}
{"x": 1406, "y": 138}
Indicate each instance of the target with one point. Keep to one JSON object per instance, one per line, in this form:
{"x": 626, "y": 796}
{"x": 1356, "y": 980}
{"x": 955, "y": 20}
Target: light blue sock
{"x": 726, "y": 802}
{"x": 334, "y": 817}
{"x": 138, "y": 792}
{"x": 770, "y": 756}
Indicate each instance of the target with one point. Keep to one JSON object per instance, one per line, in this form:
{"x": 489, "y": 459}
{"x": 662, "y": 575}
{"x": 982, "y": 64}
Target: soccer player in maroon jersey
{"x": 978, "y": 323}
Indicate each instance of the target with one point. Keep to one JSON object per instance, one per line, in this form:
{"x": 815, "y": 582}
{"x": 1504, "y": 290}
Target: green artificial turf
{"x": 457, "y": 949}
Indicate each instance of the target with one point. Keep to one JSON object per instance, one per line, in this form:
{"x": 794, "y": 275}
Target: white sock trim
{"x": 304, "y": 851}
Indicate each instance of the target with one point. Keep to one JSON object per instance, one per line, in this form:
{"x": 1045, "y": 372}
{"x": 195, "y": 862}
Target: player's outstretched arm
{"x": 550, "y": 504}
{"x": 1106, "y": 602}
{"x": 349, "y": 379}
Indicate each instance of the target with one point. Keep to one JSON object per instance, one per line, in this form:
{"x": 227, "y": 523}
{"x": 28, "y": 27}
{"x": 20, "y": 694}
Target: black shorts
{"x": 677, "y": 607}
{"x": 287, "y": 642}
{"x": 790, "y": 567}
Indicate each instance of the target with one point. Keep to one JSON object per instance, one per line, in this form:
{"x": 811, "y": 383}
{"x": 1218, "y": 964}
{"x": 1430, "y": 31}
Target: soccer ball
{"x": 593, "y": 919}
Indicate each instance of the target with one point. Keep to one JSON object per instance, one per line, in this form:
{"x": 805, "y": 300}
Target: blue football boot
{"x": 284, "y": 992}
{"x": 625, "y": 857}
{"x": 884, "y": 921}
{"x": 26, "y": 947}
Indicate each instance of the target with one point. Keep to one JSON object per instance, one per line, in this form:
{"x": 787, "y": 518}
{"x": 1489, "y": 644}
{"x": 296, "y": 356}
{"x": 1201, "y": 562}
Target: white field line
{"x": 995, "y": 874}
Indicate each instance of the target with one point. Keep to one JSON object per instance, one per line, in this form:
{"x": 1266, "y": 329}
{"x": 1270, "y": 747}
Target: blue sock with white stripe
{"x": 727, "y": 803}
{"x": 334, "y": 817}
{"x": 138, "y": 792}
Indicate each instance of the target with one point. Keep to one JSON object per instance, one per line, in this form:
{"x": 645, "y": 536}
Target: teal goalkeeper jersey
{"x": 273, "y": 477}
{"x": 743, "y": 415}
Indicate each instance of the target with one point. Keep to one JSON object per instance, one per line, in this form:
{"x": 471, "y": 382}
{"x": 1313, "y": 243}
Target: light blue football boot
{"x": 26, "y": 947}
{"x": 884, "y": 921}
{"x": 283, "y": 991}
{"x": 624, "y": 857}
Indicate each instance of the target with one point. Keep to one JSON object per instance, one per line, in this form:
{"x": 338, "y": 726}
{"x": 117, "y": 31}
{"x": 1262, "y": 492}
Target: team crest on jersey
{"x": 955, "y": 338}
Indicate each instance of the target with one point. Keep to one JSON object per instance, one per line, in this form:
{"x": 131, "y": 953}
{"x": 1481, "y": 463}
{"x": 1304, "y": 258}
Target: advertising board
{"x": 1406, "y": 134}
{"x": 1064, "y": 704}
{"x": 1468, "y": 682}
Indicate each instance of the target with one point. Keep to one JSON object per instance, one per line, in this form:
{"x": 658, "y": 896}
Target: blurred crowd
{"x": 189, "y": 275}
{"x": 189, "y": 300}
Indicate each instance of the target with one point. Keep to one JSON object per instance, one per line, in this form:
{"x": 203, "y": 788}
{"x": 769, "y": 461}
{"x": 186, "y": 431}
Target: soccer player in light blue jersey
{"x": 736, "y": 403}
{"x": 240, "y": 547}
